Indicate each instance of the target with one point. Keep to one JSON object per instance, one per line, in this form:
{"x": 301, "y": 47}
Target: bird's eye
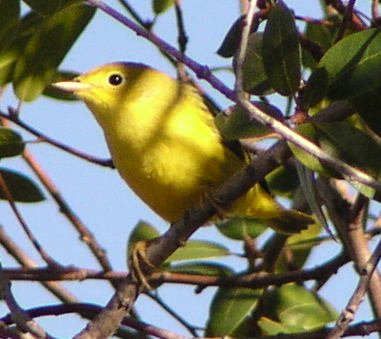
{"x": 115, "y": 79}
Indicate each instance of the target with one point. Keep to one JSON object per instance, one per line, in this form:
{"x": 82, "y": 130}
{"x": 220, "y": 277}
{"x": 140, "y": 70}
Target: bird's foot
{"x": 139, "y": 264}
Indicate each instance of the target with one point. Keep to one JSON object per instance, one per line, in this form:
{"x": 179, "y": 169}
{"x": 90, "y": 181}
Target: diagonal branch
{"x": 353, "y": 304}
{"x": 28, "y": 264}
{"x": 86, "y": 235}
{"x": 11, "y": 116}
{"x": 36, "y": 244}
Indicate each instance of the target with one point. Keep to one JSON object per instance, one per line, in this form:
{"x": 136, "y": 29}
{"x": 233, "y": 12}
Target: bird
{"x": 164, "y": 143}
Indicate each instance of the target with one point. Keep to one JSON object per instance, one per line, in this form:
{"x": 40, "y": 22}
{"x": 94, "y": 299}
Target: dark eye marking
{"x": 115, "y": 79}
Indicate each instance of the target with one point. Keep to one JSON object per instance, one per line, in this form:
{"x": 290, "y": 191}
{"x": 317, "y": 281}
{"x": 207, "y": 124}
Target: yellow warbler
{"x": 165, "y": 145}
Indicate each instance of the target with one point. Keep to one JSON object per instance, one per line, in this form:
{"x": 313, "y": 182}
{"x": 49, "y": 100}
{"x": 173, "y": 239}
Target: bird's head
{"x": 107, "y": 88}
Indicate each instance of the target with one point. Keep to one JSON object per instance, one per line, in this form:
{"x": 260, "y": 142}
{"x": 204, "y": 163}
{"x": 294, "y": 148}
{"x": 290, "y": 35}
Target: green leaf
{"x": 365, "y": 190}
{"x": 352, "y": 145}
{"x": 297, "y": 309}
{"x": 239, "y": 125}
{"x": 368, "y": 106}
{"x": 11, "y": 143}
{"x": 271, "y": 327}
{"x": 9, "y": 54}
{"x": 283, "y": 181}
{"x": 198, "y": 249}
{"x": 44, "y": 51}
{"x": 21, "y": 187}
{"x": 8, "y": 59}
{"x": 232, "y": 39}
{"x": 160, "y": 6}
{"x": 342, "y": 141}
{"x": 299, "y": 246}
{"x": 204, "y": 268}
{"x": 309, "y": 189}
{"x": 54, "y": 92}
{"x": 44, "y": 7}
{"x": 254, "y": 77}
{"x": 281, "y": 50}
{"x": 353, "y": 65}
{"x": 230, "y": 309}
{"x": 310, "y": 132}
{"x": 9, "y": 19}
{"x": 316, "y": 88}
{"x": 141, "y": 232}
{"x": 321, "y": 35}
{"x": 239, "y": 228}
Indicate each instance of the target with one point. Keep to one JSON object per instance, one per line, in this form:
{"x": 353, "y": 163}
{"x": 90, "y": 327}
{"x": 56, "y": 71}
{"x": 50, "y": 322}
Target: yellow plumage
{"x": 165, "y": 145}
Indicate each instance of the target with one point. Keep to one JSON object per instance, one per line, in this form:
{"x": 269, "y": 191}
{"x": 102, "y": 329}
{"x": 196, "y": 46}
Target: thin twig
{"x": 44, "y": 255}
{"x": 155, "y": 297}
{"x": 347, "y": 17}
{"x": 42, "y": 137}
{"x": 25, "y": 261}
{"x": 238, "y": 86}
{"x": 375, "y": 9}
{"x": 147, "y": 24}
{"x": 341, "y": 8}
{"x": 272, "y": 249}
{"x": 353, "y": 304}
{"x": 349, "y": 221}
{"x": 182, "y": 36}
{"x": 182, "y": 40}
{"x": 89, "y": 311}
{"x": 315, "y": 21}
{"x": 18, "y": 315}
{"x": 252, "y": 280}
{"x": 86, "y": 235}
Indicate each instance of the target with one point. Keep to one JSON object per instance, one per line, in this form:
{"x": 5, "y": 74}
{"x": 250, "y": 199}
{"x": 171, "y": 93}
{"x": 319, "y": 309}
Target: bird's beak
{"x": 72, "y": 86}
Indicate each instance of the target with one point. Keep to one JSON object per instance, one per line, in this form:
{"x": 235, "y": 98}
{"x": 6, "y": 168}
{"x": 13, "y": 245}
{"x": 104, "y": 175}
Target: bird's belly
{"x": 169, "y": 184}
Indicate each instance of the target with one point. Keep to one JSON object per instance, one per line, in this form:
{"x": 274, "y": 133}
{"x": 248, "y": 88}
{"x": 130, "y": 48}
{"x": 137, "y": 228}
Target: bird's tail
{"x": 257, "y": 203}
{"x": 289, "y": 221}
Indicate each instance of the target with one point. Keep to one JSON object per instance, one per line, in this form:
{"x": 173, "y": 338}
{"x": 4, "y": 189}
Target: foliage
{"x": 327, "y": 71}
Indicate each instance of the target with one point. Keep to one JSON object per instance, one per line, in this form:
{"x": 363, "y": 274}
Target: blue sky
{"x": 98, "y": 195}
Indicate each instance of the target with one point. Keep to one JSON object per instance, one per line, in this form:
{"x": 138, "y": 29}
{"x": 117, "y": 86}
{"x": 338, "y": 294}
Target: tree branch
{"x": 89, "y": 311}
{"x": 252, "y": 280}
{"x": 86, "y": 235}
{"x": 25, "y": 261}
{"x": 42, "y": 137}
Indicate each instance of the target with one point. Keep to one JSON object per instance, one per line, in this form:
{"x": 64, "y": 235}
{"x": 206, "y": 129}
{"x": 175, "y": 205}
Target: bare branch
{"x": 253, "y": 280}
{"x": 42, "y": 137}
{"x": 86, "y": 235}
{"x": 89, "y": 311}
{"x": 25, "y": 261}
{"x": 44, "y": 255}
{"x": 19, "y": 316}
